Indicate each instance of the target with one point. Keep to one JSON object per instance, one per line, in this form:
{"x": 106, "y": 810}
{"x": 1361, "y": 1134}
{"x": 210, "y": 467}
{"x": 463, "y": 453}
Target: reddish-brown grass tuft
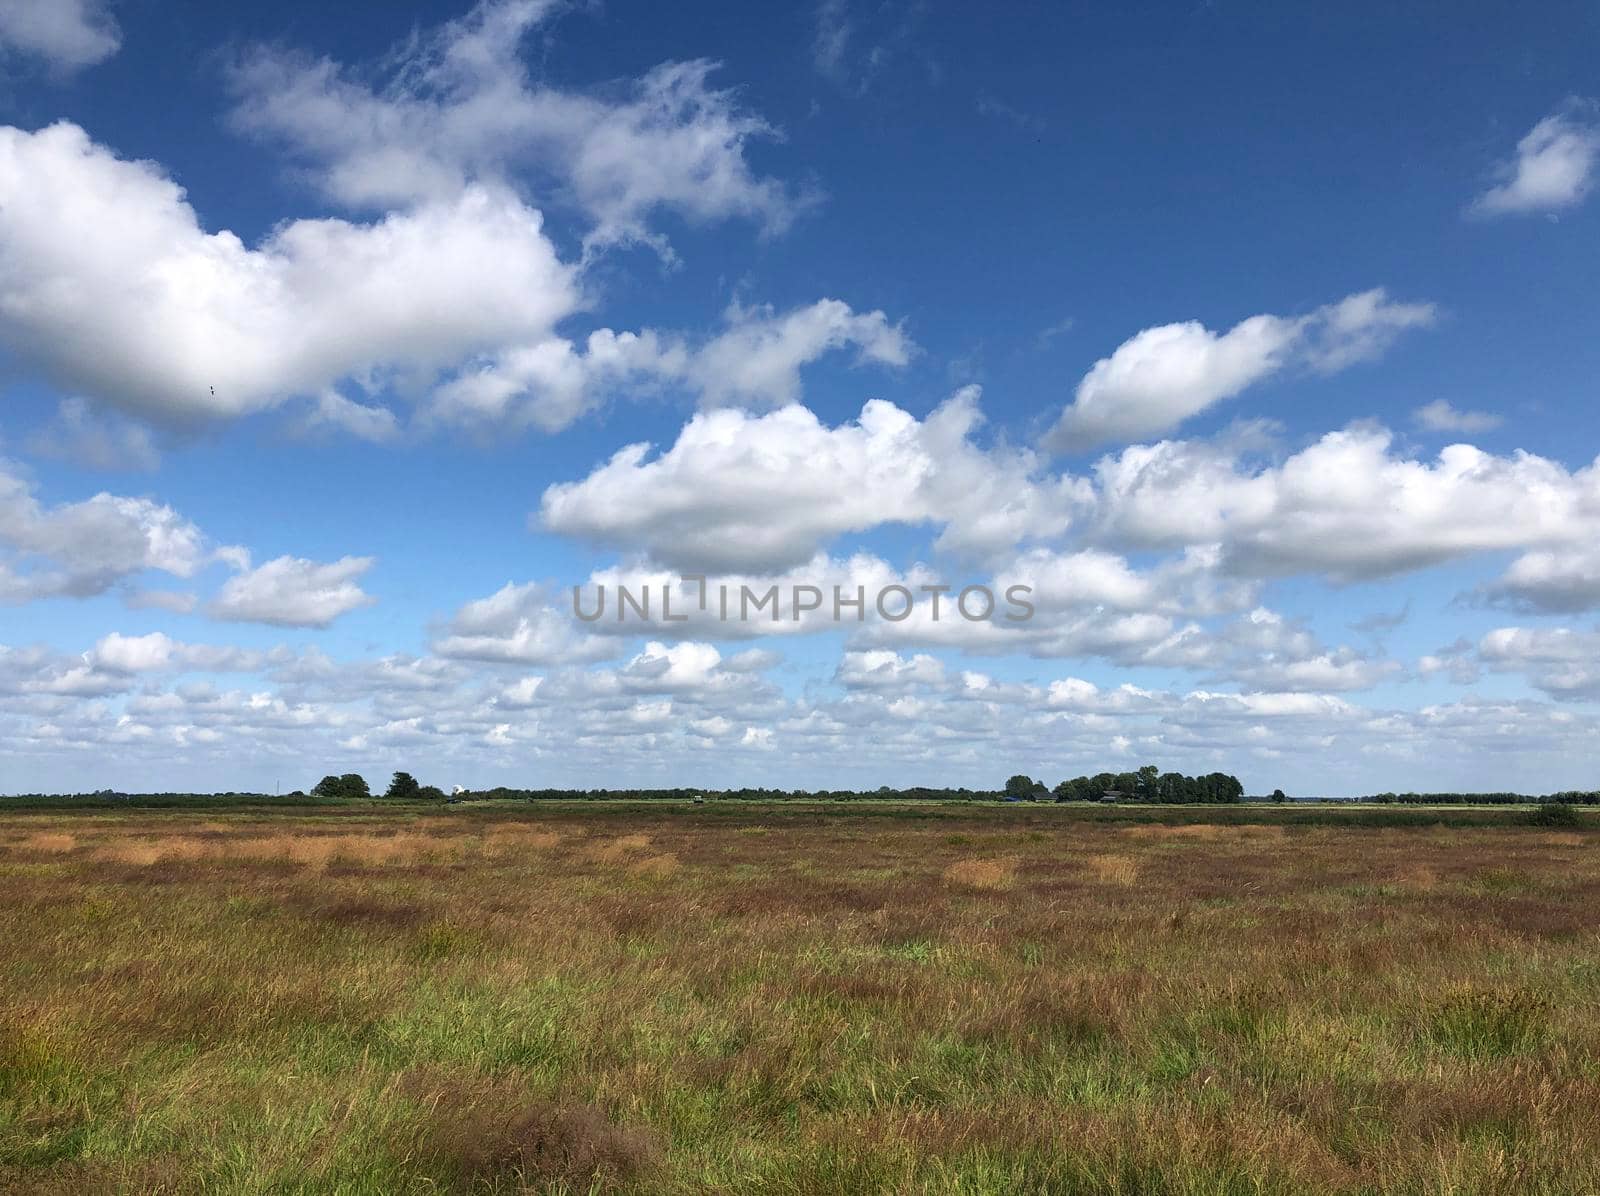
{"x": 481, "y": 1132}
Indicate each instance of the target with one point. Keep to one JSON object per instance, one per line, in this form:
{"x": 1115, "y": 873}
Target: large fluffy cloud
{"x": 449, "y": 297}
{"x": 95, "y": 249}
{"x": 765, "y": 492}
{"x": 1554, "y": 166}
{"x": 1347, "y": 507}
{"x": 1162, "y": 376}
{"x": 453, "y": 301}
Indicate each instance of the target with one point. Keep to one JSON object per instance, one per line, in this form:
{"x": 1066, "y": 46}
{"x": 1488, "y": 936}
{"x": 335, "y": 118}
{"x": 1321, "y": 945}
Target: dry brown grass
{"x": 1563, "y": 839}
{"x": 49, "y": 842}
{"x": 1120, "y": 870}
{"x": 144, "y": 851}
{"x": 312, "y": 851}
{"x": 615, "y": 851}
{"x": 1202, "y": 830}
{"x": 368, "y": 851}
{"x": 511, "y": 838}
{"x": 994, "y": 875}
{"x": 1419, "y": 877}
{"x": 655, "y": 867}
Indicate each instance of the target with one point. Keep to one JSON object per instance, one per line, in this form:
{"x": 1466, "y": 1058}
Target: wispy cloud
{"x": 853, "y": 46}
{"x": 989, "y": 105}
{"x": 1440, "y": 416}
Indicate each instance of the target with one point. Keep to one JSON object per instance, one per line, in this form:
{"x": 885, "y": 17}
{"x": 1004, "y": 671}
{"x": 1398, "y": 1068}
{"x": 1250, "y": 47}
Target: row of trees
{"x": 1572, "y": 797}
{"x": 1148, "y": 784}
{"x": 404, "y": 787}
{"x": 885, "y": 793}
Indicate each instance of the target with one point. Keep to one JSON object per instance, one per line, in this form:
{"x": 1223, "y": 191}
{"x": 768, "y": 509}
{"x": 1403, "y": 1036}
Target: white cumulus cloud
{"x": 185, "y": 324}
{"x": 1554, "y": 166}
{"x": 84, "y": 548}
{"x": 1163, "y": 376}
{"x": 765, "y": 492}
{"x": 293, "y": 592}
{"x": 518, "y": 624}
{"x": 1347, "y": 507}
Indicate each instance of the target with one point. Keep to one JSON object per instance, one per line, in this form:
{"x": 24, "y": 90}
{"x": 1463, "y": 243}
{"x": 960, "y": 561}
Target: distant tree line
{"x": 1571, "y": 797}
{"x": 1148, "y": 784}
{"x": 916, "y": 793}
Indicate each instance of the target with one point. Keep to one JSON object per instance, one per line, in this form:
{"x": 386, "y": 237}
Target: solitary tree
{"x": 1021, "y": 786}
{"x": 404, "y": 787}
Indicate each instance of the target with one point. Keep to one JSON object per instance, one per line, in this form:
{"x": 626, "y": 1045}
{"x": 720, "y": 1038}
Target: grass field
{"x": 756, "y": 1001}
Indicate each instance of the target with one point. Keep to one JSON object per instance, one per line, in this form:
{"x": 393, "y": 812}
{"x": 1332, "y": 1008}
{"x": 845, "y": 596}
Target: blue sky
{"x": 1260, "y": 343}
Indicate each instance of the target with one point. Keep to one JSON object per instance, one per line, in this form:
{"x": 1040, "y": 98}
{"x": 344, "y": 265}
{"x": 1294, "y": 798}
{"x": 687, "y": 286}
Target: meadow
{"x": 624, "y": 999}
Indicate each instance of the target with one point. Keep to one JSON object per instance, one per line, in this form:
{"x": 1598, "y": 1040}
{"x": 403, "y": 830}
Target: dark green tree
{"x": 404, "y": 787}
{"x": 352, "y": 784}
{"x": 1021, "y": 786}
{"x": 1554, "y": 813}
